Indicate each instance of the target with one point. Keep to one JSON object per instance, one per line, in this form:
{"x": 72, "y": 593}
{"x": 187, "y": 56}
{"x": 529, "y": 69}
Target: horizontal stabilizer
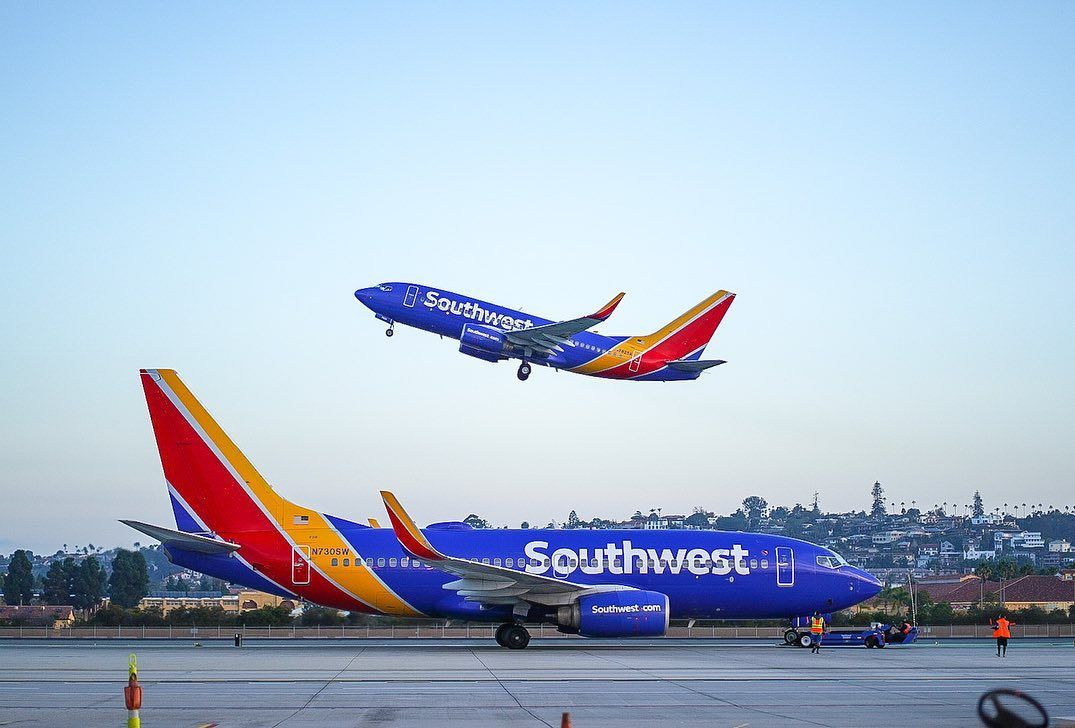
{"x": 692, "y": 365}
{"x": 183, "y": 540}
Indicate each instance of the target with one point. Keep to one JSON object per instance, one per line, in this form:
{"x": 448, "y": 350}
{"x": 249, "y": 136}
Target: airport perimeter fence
{"x": 473, "y": 631}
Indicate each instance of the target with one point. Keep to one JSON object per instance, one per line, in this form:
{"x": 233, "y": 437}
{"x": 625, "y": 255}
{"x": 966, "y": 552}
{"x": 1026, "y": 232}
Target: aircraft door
{"x": 300, "y": 565}
{"x": 785, "y": 566}
{"x": 411, "y": 297}
{"x": 633, "y": 366}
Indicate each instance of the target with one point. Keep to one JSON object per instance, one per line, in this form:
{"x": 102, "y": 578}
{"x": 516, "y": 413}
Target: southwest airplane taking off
{"x": 494, "y": 333}
{"x": 628, "y": 583}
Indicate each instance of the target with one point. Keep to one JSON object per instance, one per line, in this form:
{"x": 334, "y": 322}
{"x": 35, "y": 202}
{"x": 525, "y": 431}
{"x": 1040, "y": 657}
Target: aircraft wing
{"x": 551, "y": 337}
{"x": 182, "y": 539}
{"x": 484, "y": 583}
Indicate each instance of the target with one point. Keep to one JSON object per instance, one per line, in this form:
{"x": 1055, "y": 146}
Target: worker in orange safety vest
{"x": 817, "y": 632}
{"x": 1002, "y": 630}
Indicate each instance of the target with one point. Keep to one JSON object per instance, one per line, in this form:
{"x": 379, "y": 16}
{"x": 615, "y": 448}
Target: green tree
{"x": 573, "y": 520}
{"x": 979, "y": 509}
{"x": 755, "y": 506}
{"x": 1005, "y": 569}
{"x": 698, "y": 519}
{"x": 19, "y": 580}
{"x": 88, "y": 584}
{"x": 313, "y": 615}
{"x": 475, "y": 521}
{"x": 893, "y": 599}
{"x": 57, "y": 584}
{"x": 878, "y": 493}
{"x": 735, "y": 522}
{"x": 129, "y": 581}
{"x": 985, "y": 570}
{"x": 524, "y": 524}
{"x": 940, "y": 613}
{"x": 266, "y": 616}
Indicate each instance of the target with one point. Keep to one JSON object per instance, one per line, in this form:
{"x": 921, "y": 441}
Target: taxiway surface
{"x": 467, "y": 682}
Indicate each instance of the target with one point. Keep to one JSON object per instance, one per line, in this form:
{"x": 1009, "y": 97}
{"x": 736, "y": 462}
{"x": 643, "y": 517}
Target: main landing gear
{"x": 513, "y": 636}
{"x": 524, "y": 371}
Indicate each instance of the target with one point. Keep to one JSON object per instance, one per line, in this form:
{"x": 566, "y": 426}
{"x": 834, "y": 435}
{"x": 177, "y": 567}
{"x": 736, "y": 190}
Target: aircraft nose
{"x": 365, "y": 295}
{"x": 867, "y": 583}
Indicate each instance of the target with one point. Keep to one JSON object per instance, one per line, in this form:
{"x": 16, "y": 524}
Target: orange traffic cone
{"x": 565, "y": 720}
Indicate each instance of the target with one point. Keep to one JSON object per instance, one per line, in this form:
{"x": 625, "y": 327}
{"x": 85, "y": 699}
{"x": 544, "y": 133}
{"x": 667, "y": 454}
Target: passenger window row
{"x": 380, "y": 563}
{"x": 571, "y": 563}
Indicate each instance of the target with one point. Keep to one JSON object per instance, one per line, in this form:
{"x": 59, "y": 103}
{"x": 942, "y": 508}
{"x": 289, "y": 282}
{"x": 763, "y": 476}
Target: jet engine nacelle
{"x": 483, "y": 342}
{"x": 625, "y": 613}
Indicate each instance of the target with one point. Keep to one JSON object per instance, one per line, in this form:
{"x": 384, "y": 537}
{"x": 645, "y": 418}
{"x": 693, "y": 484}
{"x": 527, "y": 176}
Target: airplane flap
{"x": 183, "y": 540}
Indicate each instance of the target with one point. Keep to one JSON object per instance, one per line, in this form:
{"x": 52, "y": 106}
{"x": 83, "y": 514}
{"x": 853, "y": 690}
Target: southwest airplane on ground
{"x": 623, "y": 583}
{"x": 494, "y": 333}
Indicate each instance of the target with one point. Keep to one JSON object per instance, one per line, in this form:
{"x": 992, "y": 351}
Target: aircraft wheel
{"x": 805, "y": 640}
{"x": 790, "y": 636}
{"x": 872, "y": 642}
{"x": 516, "y": 637}
{"x": 499, "y": 636}
{"x": 524, "y": 372}
{"x": 389, "y": 332}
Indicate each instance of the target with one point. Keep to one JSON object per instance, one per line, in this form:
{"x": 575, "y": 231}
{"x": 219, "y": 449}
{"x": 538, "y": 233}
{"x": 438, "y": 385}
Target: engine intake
{"x": 625, "y": 613}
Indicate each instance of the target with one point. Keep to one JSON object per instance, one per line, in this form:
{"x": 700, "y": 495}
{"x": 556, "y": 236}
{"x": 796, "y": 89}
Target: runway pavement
{"x": 460, "y": 682}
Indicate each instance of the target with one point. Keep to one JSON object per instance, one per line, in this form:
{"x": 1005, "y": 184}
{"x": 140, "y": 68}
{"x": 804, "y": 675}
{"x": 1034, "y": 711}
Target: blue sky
{"x": 888, "y": 189}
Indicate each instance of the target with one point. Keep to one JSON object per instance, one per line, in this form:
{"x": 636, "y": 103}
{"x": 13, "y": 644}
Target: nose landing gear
{"x": 524, "y": 371}
{"x": 390, "y": 330}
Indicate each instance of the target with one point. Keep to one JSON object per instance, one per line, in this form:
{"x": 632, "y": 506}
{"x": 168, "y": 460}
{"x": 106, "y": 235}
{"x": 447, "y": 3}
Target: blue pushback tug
{"x": 876, "y": 635}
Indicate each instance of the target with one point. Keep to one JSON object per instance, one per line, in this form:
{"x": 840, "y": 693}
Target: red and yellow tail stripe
{"x": 682, "y": 336}
{"x": 231, "y": 498}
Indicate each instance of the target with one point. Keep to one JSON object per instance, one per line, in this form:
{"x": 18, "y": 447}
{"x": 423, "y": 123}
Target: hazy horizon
{"x": 888, "y": 191}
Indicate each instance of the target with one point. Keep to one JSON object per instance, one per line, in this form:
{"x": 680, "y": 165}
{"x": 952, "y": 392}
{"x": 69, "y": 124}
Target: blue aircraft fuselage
{"x": 705, "y": 574}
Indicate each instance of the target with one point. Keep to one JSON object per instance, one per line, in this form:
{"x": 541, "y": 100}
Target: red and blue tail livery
{"x": 494, "y": 333}
{"x": 231, "y": 524}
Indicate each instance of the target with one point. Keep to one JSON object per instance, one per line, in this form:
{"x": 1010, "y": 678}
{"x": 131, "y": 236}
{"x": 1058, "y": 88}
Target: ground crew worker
{"x": 1002, "y": 630}
{"x": 817, "y": 632}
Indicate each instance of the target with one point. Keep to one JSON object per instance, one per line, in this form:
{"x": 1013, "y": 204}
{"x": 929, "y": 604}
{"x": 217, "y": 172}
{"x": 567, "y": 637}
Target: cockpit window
{"x": 831, "y": 561}
{"x": 385, "y": 287}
